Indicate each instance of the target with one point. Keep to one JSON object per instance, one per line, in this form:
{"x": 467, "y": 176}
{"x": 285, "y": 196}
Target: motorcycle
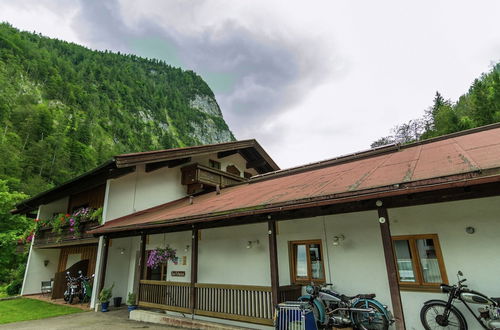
{"x": 86, "y": 287}
{"x": 362, "y": 311}
{"x": 438, "y": 314}
{"x": 73, "y": 289}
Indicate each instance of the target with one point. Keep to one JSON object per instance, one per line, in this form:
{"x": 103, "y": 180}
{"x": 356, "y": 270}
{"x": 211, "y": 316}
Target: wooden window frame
{"x": 212, "y": 162}
{"x": 419, "y": 284}
{"x": 291, "y": 254}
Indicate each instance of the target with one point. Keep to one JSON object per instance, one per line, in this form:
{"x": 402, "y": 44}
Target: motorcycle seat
{"x": 359, "y": 296}
{"x": 497, "y": 300}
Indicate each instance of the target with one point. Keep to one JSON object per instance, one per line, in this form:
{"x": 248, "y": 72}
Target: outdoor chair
{"x": 46, "y": 287}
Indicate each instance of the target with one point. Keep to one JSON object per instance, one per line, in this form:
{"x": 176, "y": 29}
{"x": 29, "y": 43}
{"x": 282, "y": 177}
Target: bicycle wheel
{"x": 370, "y": 321}
{"x": 433, "y": 317}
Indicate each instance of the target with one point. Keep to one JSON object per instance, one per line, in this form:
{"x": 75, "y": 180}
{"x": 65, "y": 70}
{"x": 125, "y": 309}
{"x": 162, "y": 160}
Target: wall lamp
{"x": 122, "y": 250}
{"x": 186, "y": 249}
{"x": 252, "y": 244}
{"x": 45, "y": 263}
{"x": 337, "y": 240}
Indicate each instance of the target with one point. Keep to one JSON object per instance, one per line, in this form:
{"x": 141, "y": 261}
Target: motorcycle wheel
{"x": 315, "y": 313}
{"x": 432, "y": 317}
{"x": 70, "y": 301}
{"x": 368, "y": 321}
{"x": 66, "y": 296}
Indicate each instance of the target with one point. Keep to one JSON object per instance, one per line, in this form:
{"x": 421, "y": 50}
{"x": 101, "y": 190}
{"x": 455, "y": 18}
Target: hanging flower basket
{"x": 161, "y": 256}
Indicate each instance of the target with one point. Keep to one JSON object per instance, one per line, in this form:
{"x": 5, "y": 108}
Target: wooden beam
{"x": 256, "y": 163}
{"x": 227, "y": 153}
{"x": 156, "y": 166}
{"x": 142, "y": 262}
{"x": 104, "y": 264}
{"x": 390, "y": 263}
{"x": 194, "y": 267}
{"x": 273, "y": 258}
{"x": 178, "y": 162}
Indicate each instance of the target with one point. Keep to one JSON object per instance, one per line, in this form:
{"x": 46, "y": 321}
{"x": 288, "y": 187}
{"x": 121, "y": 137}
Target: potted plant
{"x": 104, "y": 298}
{"x": 131, "y": 300}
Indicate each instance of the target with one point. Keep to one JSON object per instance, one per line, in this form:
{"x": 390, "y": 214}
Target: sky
{"x": 310, "y": 80}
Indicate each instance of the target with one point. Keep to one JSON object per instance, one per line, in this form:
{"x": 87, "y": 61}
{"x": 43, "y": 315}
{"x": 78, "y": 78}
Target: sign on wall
{"x": 178, "y": 273}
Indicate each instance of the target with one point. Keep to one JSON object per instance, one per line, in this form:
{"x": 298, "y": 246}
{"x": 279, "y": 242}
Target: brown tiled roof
{"x": 462, "y": 157}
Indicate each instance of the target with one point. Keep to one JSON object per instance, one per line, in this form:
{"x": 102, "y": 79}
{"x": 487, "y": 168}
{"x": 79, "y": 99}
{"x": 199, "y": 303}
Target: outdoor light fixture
{"x": 45, "y": 263}
{"x": 337, "y": 240}
{"x": 252, "y": 243}
{"x": 186, "y": 249}
{"x": 470, "y": 230}
{"x": 122, "y": 251}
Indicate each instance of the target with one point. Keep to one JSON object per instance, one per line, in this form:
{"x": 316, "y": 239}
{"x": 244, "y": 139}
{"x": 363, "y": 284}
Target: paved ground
{"x": 114, "y": 319}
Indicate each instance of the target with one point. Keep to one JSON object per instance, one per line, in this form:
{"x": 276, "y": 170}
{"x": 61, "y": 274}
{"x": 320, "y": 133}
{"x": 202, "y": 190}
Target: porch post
{"x": 390, "y": 264}
{"x": 140, "y": 271}
{"x": 194, "y": 267}
{"x": 273, "y": 258}
{"x": 104, "y": 264}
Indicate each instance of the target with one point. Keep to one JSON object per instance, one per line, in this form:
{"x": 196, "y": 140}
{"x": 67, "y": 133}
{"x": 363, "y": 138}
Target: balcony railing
{"x": 196, "y": 176}
{"x": 45, "y": 236}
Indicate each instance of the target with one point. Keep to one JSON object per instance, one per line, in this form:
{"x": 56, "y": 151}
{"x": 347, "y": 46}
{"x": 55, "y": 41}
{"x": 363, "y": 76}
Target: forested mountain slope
{"x": 478, "y": 107}
{"x": 64, "y": 109}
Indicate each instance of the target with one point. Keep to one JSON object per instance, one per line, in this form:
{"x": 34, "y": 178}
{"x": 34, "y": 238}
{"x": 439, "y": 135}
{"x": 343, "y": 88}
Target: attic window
{"x": 233, "y": 170}
{"x": 214, "y": 164}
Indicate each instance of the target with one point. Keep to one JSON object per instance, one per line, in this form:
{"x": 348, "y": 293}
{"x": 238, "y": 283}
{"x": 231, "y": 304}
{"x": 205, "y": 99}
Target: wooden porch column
{"x": 273, "y": 258}
{"x": 194, "y": 267}
{"x": 104, "y": 264}
{"x": 390, "y": 264}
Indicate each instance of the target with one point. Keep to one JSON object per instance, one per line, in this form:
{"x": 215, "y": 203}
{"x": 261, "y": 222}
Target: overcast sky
{"x": 309, "y": 80}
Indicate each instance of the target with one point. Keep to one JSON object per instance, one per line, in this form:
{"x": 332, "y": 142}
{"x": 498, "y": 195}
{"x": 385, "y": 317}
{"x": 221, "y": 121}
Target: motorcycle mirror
{"x": 80, "y": 272}
{"x": 460, "y": 273}
{"x": 67, "y": 273}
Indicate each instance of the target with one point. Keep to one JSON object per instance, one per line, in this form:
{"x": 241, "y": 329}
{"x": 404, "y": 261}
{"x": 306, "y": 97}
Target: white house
{"x": 396, "y": 221}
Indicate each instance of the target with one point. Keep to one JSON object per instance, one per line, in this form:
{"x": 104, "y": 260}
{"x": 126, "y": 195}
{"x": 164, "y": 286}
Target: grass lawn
{"x": 24, "y": 309}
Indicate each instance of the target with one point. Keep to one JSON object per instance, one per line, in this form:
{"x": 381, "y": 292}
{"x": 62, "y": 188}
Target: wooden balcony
{"x": 46, "y": 238}
{"x": 246, "y": 303}
{"x": 197, "y": 177}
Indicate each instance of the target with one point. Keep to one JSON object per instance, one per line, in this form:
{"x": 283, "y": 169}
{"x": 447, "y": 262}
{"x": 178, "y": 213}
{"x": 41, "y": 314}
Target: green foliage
{"x": 131, "y": 299}
{"x": 478, "y": 107}
{"x": 106, "y": 294}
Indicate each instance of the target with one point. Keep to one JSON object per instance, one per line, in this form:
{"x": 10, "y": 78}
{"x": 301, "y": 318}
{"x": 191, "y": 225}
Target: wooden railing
{"x": 46, "y": 237}
{"x": 236, "y": 302}
{"x": 246, "y": 303}
{"x": 173, "y": 296}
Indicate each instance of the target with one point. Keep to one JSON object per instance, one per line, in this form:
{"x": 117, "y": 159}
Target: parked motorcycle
{"x": 440, "y": 314}
{"x": 86, "y": 286}
{"x": 73, "y": 289}
{"x": 362, "y": 311}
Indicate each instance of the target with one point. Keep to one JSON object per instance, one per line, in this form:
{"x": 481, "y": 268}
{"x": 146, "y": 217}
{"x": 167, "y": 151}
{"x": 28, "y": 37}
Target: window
{"x": 306, "y": 262}
{"x": 214, "y": 164}
{"x": 419, "y": 261}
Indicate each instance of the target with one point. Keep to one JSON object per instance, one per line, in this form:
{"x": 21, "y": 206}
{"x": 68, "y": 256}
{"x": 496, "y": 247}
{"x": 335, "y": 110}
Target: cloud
{"x": 254, "y": 75}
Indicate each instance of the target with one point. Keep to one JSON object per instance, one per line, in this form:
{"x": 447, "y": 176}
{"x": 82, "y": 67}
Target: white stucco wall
{"x": 118, "y": 266}
{"x": 36, "y": 271}
{"x": 223, "y": 256}
{"x": 476, "y": 255}
{"x": 59, "y": 206}
{"x": 356, "y": 266}
{"x": 140, "y": 190}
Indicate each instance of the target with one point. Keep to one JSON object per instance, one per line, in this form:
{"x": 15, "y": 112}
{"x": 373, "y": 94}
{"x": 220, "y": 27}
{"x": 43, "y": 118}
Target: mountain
{"x": 478, "y": 107}
{"x": 65, "y": 108}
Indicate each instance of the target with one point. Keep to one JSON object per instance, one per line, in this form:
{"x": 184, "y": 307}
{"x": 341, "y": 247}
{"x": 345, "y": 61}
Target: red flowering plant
{"x": 161, "y": 256}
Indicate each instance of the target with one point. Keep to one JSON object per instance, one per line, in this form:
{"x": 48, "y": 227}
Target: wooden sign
{"x": 178, "y": 273}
